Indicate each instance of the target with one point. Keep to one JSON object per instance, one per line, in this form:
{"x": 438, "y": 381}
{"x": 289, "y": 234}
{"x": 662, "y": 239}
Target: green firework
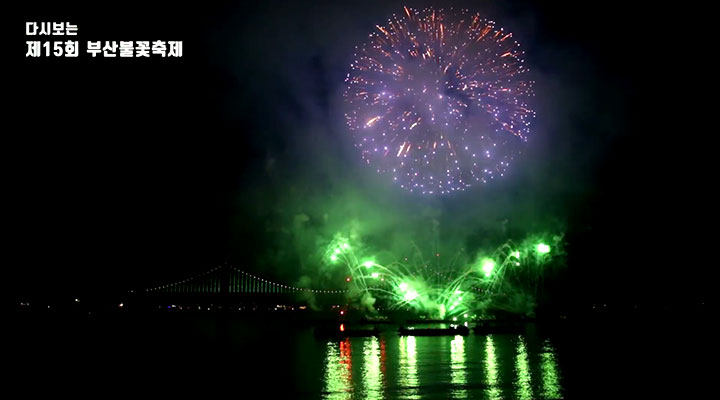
{"x": 507, "y": 278}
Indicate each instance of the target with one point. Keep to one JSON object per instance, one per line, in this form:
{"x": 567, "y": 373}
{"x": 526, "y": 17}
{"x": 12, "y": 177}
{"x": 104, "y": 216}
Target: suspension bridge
{"x": 230, "y": 280}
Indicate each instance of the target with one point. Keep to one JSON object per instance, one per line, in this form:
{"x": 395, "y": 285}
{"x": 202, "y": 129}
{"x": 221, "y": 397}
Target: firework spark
{"x": 507, "y": 279}
{"x": 439, "y": 100}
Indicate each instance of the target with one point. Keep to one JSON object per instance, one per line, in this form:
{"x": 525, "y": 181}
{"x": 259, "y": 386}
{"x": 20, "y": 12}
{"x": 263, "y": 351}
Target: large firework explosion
{"x": 506, "y": 279}
{"x": 439, "y": 100}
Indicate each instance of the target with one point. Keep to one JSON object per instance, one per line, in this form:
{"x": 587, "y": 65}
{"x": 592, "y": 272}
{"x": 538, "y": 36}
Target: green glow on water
{"x": 372, "y": 371}
{"x": 458, "y": 369}
{"x": 523, "y": 382}
{"x": 550, "y": 374}
{"x": 503, "y": 367}
{"x": 408, "y": 373}
{"x": 492, "y": 380}
{"x": 542, "y": 248}
{"x": 338, "y": 370}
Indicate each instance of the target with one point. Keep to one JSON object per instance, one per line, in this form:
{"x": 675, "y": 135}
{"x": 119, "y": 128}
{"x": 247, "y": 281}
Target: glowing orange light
{"x": 342, "y": 327}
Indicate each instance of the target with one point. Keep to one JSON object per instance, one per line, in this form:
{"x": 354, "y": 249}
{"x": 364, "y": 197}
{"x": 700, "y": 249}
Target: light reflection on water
{"x": 550, "y": 373}
{"x": 458, "y": 371}
{"x": 372, "y": 375}
{"x": 478, "y": 366}
{"x": 338, "y": 370}
{"x": 491, "y": 370}
{"x": 408, "y": 374}
{"x": 523, "y": 382}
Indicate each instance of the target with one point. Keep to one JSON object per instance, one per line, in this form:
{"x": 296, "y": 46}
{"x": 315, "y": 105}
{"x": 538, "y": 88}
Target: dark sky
{"x": 124, "y": 173}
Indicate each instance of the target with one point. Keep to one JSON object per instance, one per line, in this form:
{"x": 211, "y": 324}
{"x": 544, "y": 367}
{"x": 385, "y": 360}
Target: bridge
{"x": 231, "y": 281}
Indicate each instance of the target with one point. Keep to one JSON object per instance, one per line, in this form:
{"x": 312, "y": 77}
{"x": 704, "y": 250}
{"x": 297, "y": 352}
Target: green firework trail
{"x": 507, "y": 278}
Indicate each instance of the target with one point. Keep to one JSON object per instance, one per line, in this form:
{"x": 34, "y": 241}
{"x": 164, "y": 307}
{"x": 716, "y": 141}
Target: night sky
{"x": 125, "y": 173}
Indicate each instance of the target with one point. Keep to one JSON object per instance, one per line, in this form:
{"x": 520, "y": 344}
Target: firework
{"x": 507, "y": 279}
{"x": 439, "y": 100}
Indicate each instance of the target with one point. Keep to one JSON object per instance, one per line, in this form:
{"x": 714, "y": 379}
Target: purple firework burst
{"x": 439, "y": 100}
